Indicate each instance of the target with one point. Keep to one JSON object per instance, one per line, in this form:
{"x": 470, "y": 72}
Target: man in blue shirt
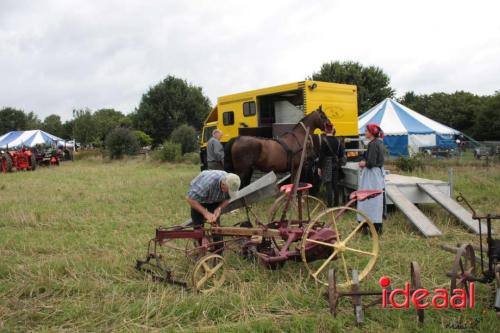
{"x": 208, "y": 194}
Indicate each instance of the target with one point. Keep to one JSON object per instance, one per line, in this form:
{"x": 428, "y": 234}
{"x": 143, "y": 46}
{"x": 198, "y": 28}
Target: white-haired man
{"x": 215, "y": 151}
{"x": 208, "y": 194}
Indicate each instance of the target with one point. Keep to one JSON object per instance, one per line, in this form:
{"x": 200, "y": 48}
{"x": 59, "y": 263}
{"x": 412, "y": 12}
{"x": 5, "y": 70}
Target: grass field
{"x": 69, "y": 238}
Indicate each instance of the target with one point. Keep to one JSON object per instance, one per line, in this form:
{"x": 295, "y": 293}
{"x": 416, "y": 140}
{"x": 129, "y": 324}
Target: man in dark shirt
{"x": 331, "y": 155}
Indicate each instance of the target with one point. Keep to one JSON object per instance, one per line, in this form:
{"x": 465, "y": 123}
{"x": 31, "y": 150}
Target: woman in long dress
{"x": 372, "y": 176}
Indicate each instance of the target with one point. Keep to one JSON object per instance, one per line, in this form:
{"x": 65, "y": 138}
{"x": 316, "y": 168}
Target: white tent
{"x": 406, "y": 131}
{"x": 27, "y": 138}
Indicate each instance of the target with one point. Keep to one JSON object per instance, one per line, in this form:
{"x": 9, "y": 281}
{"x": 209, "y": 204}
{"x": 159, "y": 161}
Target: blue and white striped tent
{"x": 406, "y": 131}
{"x": 27, "y": 138}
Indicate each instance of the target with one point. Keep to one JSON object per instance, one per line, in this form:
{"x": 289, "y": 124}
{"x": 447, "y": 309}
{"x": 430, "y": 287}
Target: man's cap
{"x": 233, "y": 183}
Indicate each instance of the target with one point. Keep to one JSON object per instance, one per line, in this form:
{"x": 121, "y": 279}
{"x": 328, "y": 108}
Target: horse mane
{"x": 304, "y": 118}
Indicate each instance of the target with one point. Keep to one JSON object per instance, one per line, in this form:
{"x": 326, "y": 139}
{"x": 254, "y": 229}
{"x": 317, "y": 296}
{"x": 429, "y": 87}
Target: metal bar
{"x": 241, "y": 231}
{"x": 296, "y": 180}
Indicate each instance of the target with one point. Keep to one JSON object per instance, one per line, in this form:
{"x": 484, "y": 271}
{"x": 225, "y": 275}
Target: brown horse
{"x": 244, "y": 153}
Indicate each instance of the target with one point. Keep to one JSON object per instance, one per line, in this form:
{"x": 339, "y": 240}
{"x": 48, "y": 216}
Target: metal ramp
{"x": 452, "y": 207}
{"x": 423, "y": 224}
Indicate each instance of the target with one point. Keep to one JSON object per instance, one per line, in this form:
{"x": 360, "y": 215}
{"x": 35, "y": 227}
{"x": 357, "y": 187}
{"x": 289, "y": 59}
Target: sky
{"x": 56, "y": 56}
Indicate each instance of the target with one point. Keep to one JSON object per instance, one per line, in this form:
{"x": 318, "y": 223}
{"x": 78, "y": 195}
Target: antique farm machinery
{"x": 465, "y": 270}
{"x": 381, "y": 297}
{"x": 299, "y": 229}
{"x": 23, "y": 159}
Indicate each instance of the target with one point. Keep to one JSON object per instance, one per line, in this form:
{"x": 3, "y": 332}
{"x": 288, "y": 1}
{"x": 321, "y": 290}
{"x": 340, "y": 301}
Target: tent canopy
{"x": 405, "y": 128}
{"x": 28, "y": 138}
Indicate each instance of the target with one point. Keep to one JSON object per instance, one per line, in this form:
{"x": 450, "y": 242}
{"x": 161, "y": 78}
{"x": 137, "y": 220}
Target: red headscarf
{"x": 375, "y": 130}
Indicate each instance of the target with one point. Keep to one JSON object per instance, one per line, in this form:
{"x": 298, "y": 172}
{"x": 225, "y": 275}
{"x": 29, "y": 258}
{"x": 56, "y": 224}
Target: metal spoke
{"x": 325, "y": 263}
{"x": 335, "y": 225}
{"x": 205, "y": 266}
{"x": 354, "y": 232}
{"x": 314, "y": 209}
{"x": 359, "y": 251}
{"x": 320, "y": 242}
{"x": 208, "y": 274}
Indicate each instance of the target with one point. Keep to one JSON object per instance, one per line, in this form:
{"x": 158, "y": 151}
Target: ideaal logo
{"x": 439, "y": 298}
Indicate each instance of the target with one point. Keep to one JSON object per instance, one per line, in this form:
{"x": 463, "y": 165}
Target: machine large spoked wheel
{"x": 303, "y": 208}
{"x": 463, "y": 268}
{"x": 208, "y": 273}
{"x": 335, "y": 238}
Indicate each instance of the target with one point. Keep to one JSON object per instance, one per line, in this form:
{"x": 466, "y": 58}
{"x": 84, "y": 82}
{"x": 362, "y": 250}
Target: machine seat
{"x": 288, "y": 188}
{"x": 362, "y": 195}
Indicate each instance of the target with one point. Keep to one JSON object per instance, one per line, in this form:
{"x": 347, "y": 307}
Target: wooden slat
{"x": 460, "y": 213}
{"x": 423, "y": 224}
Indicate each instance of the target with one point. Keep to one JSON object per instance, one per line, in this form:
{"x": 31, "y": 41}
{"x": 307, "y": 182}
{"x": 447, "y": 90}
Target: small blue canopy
{"x": 27, "y": 138}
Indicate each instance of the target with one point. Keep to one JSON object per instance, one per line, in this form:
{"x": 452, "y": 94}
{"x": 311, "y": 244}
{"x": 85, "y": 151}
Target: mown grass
{"x": 69, "y": 237}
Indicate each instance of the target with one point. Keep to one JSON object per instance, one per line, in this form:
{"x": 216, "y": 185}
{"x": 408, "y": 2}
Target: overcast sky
{"x": 59, "y": 55}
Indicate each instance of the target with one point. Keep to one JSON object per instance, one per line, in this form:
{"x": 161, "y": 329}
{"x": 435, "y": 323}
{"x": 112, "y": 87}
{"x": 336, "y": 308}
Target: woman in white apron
{"x": 372, "y": 175}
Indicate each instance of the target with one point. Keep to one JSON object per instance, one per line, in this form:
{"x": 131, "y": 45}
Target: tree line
{"x": 174, "y": 102}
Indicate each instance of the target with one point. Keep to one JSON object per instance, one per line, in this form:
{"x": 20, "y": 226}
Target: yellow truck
{"x": 268, "y": 112}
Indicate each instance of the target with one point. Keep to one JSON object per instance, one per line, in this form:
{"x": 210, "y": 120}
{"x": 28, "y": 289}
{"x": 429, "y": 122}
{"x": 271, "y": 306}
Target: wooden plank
{"x": 423, "y": 224}
{"x": 460, "y": 213}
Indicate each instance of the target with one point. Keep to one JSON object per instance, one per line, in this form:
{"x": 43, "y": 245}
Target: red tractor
{"x": 23, "y": 159}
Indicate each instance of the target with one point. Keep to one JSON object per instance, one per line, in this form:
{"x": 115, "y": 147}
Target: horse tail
{"x": 228, "y": 159}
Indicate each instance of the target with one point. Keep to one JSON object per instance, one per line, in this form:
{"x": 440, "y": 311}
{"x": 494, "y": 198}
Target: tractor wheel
{"x": 33, "y": 164}
{"x": 6, "y": 163}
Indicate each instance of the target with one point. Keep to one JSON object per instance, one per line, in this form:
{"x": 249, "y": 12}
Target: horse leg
{"x": 244, "y": 155}
{"x": 246, "y": 177}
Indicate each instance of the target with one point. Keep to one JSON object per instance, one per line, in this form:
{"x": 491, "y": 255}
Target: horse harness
{"x": 290, "y": 153}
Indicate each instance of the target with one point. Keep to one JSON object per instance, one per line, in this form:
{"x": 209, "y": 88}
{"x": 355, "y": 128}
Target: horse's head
{"x": 316, "y": 120}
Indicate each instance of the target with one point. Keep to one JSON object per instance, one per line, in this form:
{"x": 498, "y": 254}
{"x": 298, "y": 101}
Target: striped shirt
{"x": 205, "y": 188}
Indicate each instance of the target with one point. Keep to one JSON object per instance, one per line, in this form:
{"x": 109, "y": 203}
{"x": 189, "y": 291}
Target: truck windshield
{"x": 207, "y": 133}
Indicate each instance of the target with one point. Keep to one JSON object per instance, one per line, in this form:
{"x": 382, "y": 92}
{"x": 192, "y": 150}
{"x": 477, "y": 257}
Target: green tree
{"x": 52, "y": 124}
{"x": 185, "y": 135}
{"x": 458, "y": 110}
{"x": 12, "y": 120}
{"x": 106, "y": 120}
{"x": 67, "y": 129}
{"x": 373, "y": 84}
{"x": 143, "y": 139}
{"x": 84, "y": 127}
{"x": 32, "y": 122}
{"x": 487, "y": 122}
{"x": 169, "y": 104}
{"x": 121, "y": 141}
